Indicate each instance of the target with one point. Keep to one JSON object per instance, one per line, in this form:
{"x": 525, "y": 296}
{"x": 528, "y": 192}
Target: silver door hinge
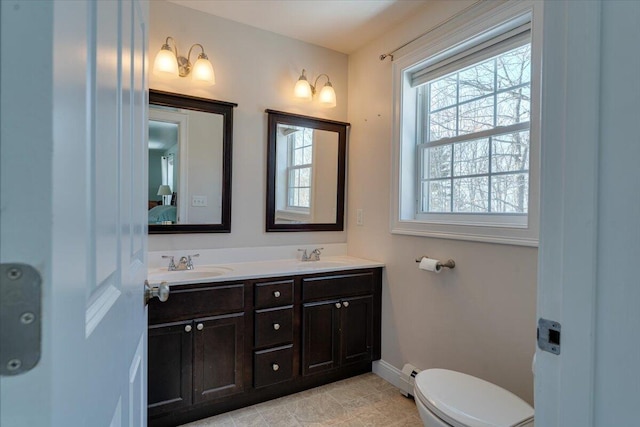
{"x": 20, "y": 318}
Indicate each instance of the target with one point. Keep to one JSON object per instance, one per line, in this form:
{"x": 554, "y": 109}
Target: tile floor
{"x": 365, "y": 400}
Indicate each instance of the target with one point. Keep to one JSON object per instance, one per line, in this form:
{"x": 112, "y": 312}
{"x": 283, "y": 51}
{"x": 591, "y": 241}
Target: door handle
{"x": 161, "y": 292}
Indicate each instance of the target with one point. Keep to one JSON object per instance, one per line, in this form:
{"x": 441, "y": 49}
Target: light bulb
{"x": 166, "y": 64}
{"x": 202, "y": 71}
{"x": 303, "y": 88}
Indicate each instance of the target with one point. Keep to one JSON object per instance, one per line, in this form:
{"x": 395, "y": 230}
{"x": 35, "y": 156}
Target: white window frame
{"x": 291, "y": 150}
{"x": 482, "y": 22}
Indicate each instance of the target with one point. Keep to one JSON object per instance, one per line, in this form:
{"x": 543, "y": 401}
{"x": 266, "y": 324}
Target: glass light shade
{"x": 202, "y": 72}
{"x": 327, "y": 96}
{"x": 303, "y": 89}
{"x": 166, "y": 64}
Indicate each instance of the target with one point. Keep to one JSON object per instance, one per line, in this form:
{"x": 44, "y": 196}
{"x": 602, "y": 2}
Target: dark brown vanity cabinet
{"x": 273, "y": 332}
{"x": 196, "y": 346}
{"x": 216, "y": 347}
{"x": 338, "y": 321}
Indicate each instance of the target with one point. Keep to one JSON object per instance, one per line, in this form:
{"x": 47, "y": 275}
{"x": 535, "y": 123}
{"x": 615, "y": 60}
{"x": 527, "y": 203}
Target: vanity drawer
{"x": 273, "y": 294}
{"x": 343, "y": 285}
{"x": 273, "y": 326}
{"x": 273, "y": 366}
{"x": 197, "y": 302}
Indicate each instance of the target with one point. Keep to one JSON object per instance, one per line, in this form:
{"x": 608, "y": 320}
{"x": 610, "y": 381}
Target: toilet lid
{"x": 466, "y": 401}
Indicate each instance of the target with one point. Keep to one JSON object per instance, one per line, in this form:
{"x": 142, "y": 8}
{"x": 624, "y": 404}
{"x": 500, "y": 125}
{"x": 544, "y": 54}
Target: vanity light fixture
{"x": 304, "y": 90}
{"x": 171, "y": 65}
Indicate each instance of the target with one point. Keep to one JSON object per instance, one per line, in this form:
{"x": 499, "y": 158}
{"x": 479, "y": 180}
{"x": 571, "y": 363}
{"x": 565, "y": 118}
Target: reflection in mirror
{"x": 306, "y": 167}
{"x": 189, "y": 164}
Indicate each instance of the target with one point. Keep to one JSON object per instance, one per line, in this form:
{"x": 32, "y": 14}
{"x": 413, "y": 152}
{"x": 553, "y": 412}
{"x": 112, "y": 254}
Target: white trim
{"x": 387, "y": 372}
{"x": 182, "y": 120}
{"x": 478, "y": 20}
{"x": 568, "y": 255}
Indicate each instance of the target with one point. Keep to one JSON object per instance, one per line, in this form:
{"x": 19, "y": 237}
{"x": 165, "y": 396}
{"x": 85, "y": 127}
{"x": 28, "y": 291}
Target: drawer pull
{"x": 276, "y": 326}
{"x": 275, "y": 366}
{"x": 200, "y": 326}
{"x": 187, "y": 328}
{"x": 346, "y": 304}
{"x": 338, "y": 305}
{"x": 276, "y": 294}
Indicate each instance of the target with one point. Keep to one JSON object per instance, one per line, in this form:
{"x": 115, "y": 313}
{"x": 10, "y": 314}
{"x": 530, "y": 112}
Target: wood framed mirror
{"x": 306, "y": 168}
{"x": 190, "y": 155}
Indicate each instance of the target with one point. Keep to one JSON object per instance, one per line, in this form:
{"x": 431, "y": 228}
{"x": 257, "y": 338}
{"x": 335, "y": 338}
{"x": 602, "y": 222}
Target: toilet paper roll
{"x": 430, "y": 264}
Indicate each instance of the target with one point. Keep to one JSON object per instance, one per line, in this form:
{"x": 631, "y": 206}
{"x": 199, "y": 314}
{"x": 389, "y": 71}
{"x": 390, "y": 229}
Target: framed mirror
{"x": 190, "y": 152}
{"x": 306, "y": 163}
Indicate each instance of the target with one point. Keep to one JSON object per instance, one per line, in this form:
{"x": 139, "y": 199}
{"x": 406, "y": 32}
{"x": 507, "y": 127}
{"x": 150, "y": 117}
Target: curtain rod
{"x": 390, "y": 54}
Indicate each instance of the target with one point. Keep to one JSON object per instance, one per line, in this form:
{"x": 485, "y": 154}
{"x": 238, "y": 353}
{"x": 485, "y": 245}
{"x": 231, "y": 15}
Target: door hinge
{"x": 549, "y": 335}
{"x": 20, "y": 318}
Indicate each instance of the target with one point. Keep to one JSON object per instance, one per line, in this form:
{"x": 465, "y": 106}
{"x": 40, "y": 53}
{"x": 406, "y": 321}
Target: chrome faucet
{"x": 313, "y": 256}
{"x": 185, "y": 263}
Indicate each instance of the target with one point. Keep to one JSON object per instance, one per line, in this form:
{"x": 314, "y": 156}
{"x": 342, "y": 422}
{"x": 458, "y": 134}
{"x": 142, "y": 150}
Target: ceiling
{"x": 341, "y": 25}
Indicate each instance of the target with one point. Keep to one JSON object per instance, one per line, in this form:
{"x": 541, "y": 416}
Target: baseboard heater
{"x": 407, "y": 379}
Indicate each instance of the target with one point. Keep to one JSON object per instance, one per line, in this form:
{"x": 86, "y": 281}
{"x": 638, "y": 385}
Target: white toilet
{"x": 452, "y": 399}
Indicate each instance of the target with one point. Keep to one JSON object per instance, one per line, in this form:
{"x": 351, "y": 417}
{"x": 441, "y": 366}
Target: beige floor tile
{"x": 280, "y": 417}
{"x": 250, "y": 420}
{"x": 365, "y": 400}
{"x": 316, "y": 409}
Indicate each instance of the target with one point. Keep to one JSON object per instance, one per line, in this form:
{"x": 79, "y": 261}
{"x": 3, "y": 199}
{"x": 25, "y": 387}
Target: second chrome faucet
{"x": 185, "y": 263}
{"x": 313, "y": 256}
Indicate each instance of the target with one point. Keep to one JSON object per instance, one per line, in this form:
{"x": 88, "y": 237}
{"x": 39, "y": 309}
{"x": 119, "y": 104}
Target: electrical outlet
{"x": 199, "y": 201}
{"x": 359, "y": 217}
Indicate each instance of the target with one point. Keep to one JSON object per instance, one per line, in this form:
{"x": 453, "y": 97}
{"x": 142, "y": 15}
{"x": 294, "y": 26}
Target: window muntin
{"x": 299, "y": 169}
{"x": 474, "y": 147}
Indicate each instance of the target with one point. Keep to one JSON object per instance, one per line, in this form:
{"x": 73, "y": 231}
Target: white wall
{"x": 478, "y": 318}
{"x": 257, "y": 70}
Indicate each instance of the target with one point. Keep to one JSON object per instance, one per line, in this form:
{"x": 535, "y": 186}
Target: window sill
{"x": 486, "y": 234}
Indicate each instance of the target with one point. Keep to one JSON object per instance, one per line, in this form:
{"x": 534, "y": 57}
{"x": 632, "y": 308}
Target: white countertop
{"x": 229, "y": 271}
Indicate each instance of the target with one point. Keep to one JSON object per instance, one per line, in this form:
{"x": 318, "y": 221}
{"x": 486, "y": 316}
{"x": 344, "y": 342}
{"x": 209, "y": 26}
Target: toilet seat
{"x": 465, "y": 401}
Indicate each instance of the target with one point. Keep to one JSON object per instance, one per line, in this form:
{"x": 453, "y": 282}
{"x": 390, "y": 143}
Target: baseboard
{"x": 387, "y": 372}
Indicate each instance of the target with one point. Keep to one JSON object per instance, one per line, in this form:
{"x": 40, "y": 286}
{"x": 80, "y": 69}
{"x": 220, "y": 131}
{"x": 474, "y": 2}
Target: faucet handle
{"x": 315, "y": 254}
{"x": 172, "y": 265}
{"x": 190, "y": 261}
{"x": 305, "y": 257}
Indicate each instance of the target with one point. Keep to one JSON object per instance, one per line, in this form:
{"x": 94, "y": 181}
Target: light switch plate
{"x": 199, "y": 201}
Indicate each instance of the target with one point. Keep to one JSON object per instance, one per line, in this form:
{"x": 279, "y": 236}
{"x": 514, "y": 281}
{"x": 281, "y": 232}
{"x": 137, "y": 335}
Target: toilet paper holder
{"x": 449, "y": 263}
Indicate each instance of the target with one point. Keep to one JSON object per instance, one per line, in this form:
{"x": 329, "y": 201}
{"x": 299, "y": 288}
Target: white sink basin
{"x": 203, "y": 272}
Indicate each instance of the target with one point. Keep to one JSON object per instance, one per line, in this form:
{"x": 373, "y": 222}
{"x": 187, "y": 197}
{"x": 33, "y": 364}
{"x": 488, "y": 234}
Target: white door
{"x": 590, "y": 215}
{"x": 73, "y": 205}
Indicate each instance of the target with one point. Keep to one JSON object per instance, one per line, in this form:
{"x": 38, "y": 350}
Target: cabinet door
{"x": 320, "y": 337}
{"x": 219, "y": 356}
{"x": 170, "y": 367}
{"x": 356, "y": 326}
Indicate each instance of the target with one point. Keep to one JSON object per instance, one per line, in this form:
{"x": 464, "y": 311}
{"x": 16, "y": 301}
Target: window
{"x": 466, "y": 149}
{"x": 474, "y": 144}
{"x": 299, "y": 169}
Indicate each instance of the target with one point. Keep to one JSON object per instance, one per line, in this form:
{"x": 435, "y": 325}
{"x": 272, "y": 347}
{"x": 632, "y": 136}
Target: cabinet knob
{"x": 276, "y": 294}
{"x": 200, "y": 326}
{"x": 346, "y": 303}
{"x": 187, "y": 328}
{"x": 275, "y": 366}
{"x": 338, "y": 305}
{"x": 276, "y": 326}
